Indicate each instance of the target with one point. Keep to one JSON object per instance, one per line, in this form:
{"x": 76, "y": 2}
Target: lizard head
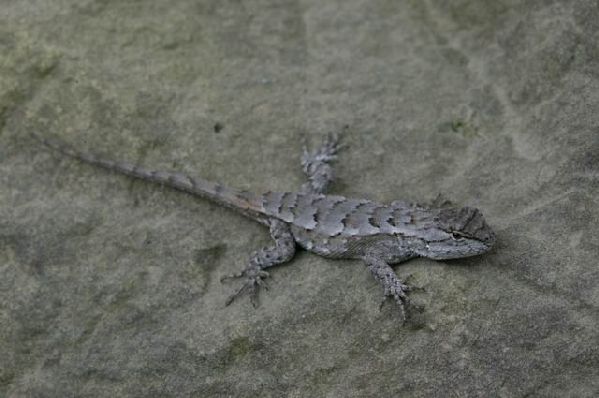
{"x": 457, "y": 232}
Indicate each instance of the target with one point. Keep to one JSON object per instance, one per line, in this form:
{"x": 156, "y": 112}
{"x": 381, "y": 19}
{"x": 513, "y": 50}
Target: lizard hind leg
{"x": 253, "y": 272}
{"x": 316, "y": 163}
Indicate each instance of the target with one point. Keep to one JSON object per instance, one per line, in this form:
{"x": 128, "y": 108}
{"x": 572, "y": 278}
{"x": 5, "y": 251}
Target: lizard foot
{"x": 254, "y": 277}
{"x": 326, "y": 152}
{"x": 397, "y": 290}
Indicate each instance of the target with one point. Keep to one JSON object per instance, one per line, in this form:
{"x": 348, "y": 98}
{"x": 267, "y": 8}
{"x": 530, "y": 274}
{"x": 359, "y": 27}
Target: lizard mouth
{"x": 461, "y": 247}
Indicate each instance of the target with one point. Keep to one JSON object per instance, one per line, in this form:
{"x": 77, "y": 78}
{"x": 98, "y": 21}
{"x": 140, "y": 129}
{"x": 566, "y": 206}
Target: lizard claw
{"x": 254, "y": 277}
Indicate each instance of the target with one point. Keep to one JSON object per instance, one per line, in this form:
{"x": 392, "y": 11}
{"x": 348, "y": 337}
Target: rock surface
{"x": 110, "y": 287}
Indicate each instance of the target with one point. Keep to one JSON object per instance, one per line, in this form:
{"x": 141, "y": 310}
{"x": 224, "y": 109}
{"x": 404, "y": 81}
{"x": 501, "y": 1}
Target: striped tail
{"x": 247, "y": 203}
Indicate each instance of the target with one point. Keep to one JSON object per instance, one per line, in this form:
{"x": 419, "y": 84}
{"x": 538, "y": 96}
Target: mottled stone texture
{"x": 109, "y": 287}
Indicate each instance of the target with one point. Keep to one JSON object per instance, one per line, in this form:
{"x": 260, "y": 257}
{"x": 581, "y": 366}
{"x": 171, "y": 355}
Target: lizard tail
{"x": 247, "y": 203}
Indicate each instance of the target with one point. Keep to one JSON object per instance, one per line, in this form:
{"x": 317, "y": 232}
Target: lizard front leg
{"x": 316, "y": 163}
{"x": 281, "y": 252}
{"x": 392, "y": 285}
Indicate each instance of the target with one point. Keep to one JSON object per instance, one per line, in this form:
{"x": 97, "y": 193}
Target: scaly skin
{"x": 328, "y": 225}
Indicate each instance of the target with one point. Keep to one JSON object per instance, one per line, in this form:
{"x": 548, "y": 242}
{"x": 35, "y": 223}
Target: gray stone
{"x": 109, "y": 286}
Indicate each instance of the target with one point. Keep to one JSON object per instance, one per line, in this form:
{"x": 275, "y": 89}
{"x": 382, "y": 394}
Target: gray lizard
{"x": 329, "y": 225}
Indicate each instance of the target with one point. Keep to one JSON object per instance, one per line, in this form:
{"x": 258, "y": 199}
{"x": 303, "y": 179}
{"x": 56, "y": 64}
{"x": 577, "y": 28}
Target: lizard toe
{"x": 254, "y": 280}
{"x": 398, "y": 292}
{"x": 225, "y": 278}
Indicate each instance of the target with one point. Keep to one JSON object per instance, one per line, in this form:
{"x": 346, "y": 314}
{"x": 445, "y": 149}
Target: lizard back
{"x": 333, "y": 215}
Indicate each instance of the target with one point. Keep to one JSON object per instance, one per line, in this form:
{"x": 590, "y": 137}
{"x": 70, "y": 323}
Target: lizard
{"x": 332, "y": 226}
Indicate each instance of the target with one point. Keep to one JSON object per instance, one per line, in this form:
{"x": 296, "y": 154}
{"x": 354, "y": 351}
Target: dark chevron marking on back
{"x": 332, "y": 215}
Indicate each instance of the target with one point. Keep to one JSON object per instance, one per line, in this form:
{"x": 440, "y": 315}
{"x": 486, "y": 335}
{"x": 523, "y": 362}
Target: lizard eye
{"x": 456, "y": 235}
